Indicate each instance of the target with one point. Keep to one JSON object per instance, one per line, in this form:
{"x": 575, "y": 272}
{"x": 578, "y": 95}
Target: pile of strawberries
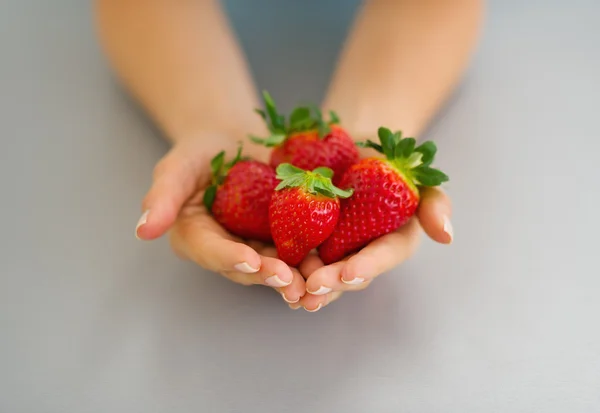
{"x": 316, "y": 193}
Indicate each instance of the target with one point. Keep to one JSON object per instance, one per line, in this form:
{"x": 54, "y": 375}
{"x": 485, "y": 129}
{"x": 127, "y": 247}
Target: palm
{"x": 198, "y": 236}
{"x": 175, "y": 203}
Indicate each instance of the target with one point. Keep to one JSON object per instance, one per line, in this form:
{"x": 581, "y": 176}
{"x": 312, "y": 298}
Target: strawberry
{"x": 240, "y": 194}
{"x": 304, "y": 210}
{"x": 386, "y": 193}
{"x": 307, "y": 140}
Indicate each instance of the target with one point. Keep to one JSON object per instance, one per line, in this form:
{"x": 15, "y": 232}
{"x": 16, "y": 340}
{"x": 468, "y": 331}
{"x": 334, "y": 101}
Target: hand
{"x": 174, "y": 203}
{"x": 325, "y": 284}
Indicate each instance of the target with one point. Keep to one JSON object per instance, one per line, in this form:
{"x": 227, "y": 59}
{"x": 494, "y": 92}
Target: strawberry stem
{"x": 316, "y": 182}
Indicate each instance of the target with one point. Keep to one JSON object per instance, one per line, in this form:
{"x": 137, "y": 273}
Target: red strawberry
{"x": 307, "y": 140}
{"x": 386, "y": 193}
{"x": 303, "y": 212}
{"x": 240, "y": 194}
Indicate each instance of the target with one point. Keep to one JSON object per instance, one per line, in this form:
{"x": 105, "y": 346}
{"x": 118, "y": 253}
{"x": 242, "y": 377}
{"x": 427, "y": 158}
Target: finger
{"x": 434, "y": 214}
{"x": 329, "y": 279}
{"x": 176, "y": 177}
{"x": 200, "y": 238}
{"x": 381, "y": 255}
{"x": 266, "y": 250}
{"x": 295, "y": 291}
{"x": 313, "y": 303}
{"x": 310, "y": 265}
{"x": 273, "y": 273}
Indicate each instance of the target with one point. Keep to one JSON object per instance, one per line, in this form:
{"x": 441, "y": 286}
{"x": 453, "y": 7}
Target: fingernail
{"x": 275, "y": 281}
{"x": 294, "y": 306}
{"x": 448, "y": 228}
{"x": 355, "y": 281}
{"x": 315, "y": 310}
{"x": 245, "y": 268}
{"x": 141, "y": 222}
{"x": 290, "y": 301}
{"x": 321, "y": 291}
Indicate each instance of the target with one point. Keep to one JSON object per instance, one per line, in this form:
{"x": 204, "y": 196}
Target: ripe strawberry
{"x": 386, "y": 193}
{"x": 303, "y": 212}
{"x": 307, "y": 140}
{"x": 240, "y": 194}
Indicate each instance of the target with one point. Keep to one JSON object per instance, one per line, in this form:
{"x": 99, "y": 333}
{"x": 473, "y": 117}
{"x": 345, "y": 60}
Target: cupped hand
{"x": 326, "y": 283}
{"x": 174, "y": 204}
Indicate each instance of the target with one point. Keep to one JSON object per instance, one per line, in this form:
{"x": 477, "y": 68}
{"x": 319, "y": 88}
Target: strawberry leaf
{"x": 277, "y": 121}
{"x": 334, "y": 119}
{"x": 256, "y": 139}
{"x": 303, "y": 118}
{"x": 397, "y": 137}
{"x": 290, "y": 182}
{"x": 216, "y": 164}
{"x": 327, "y": 188}
{"x": 428, "y": 149}
{"x": 414, "y": 162}
{"x": 270, "y": 142}
{"x": 404, "y": 148}
{"x": 300, "y": 118}
{"x": 387, "y": 142}
{"x": 324, "y": 171}
{"x": 286, "y": 170}
{"x": 427, "y": 176}
{"x": 342, "y": 193}
{"x": 409, "y": 146}
{"x": 324, "y": 130}
{"x": 370, "y": 144}
{"x": 321, "y": 188}
{"x": 209, "y": 197}
{"x": 316, "y": 182}
{"x": 322, "y": 126}
{"x": 262, "y": 113}
{"x": 219, "y": 171}
{"x": 238, "y": 157}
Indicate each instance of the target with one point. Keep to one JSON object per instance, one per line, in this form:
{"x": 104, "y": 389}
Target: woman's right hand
{"x": 174, "y": 204}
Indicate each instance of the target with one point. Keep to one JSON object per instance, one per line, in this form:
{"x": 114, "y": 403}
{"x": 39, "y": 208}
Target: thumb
{"x": 434, "y": 215}
{"x": 176, "y": 178}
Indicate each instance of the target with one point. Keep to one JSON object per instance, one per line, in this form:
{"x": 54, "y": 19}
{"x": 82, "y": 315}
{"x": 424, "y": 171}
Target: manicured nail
{"x": 321, "y": 291}
{"x": 245, "y": 268}
{"x": 294, "y": 306}
{"x": 143, "y": 219}
{"x": 355, "y": 281}
{"x": 275, "y": 281}
{"x": 315, "y": 310}
{"x": 290, "y": 301}
{"x": 448, "y": 228}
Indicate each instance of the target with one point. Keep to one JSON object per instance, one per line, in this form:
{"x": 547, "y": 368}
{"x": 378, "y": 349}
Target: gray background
{"x": 505, "y": 320}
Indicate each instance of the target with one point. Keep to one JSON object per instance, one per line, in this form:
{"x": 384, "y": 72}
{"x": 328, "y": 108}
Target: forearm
{"x": 180, "y": 60}
{"x": 402, "y": 60}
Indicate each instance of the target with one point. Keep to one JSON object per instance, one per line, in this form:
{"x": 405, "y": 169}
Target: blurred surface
{"x": 505, "y": 320}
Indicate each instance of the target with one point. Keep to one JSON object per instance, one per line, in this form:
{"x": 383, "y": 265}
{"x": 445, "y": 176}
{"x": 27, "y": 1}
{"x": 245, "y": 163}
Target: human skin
{"x": 182, "y": 63}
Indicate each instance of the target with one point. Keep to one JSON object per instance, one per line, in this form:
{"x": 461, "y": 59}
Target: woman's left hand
{"x": 326, "y": 283}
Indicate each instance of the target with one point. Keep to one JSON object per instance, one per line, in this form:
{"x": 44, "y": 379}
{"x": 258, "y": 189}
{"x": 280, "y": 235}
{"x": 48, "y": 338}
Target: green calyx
{"x": 316, "y": 182}
{"x": 219, "y": 170}
{"x": 414, "y": 162}
{"x": 302, "y": 118}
